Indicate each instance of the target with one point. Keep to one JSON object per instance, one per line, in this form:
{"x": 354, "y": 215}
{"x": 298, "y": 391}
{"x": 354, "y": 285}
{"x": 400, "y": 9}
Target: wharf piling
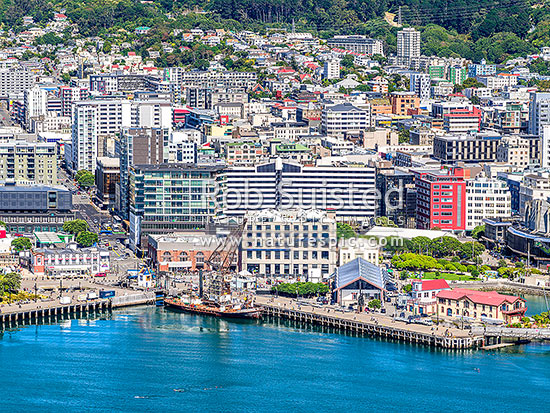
{"x": 409, "y": 334}
{"x": 76, "y": 310}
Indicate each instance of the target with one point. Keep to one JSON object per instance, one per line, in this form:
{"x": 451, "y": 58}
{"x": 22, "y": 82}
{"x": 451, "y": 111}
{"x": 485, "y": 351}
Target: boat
{"x": 211, "y": 309}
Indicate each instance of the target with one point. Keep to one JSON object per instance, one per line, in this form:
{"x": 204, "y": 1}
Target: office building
{"x": 348, "y": 191}
{"x": 466, "y": 148}
{"x": 170, "y": 197}
{"x": 340, "y": 119}
{"x": 539, "y": 112}
{"x": 15, "y": 80}
{"x": 441, "y": 199}
{"x": 290, "y": 242}
{"x": 26, "y": 209}
{"x": 107, "y": 176}
{"x": 486, "y": 198}
{"x": 139, "y": 146}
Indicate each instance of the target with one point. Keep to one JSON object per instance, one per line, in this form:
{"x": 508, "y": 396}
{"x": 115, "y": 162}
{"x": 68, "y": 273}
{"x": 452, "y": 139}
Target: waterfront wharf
{"x": 37, "y": 312}
{"x": 375, "y": 325}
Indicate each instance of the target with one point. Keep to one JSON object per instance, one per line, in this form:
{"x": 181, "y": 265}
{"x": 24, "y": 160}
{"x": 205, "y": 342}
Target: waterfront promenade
{"x": 369, "y": 323}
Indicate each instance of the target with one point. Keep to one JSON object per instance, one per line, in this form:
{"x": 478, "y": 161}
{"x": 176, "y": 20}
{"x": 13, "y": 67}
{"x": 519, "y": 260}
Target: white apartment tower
{"x": 408, "y": 45}
{"x": 539, "y": 112}
{"x": 331, "y": 69}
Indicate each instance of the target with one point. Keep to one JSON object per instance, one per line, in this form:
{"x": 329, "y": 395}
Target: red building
{"x": 441, "y": 199}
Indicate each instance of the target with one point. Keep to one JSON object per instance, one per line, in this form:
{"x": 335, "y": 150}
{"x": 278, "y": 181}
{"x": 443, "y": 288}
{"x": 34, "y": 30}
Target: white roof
{"x": 408, "y": 233}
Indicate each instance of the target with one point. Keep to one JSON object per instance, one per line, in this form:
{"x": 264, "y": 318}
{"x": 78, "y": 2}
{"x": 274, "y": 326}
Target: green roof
{"x": 298, "y": 147}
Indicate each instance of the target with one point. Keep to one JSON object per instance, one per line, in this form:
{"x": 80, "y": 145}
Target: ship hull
{"x": 249, "y": 313}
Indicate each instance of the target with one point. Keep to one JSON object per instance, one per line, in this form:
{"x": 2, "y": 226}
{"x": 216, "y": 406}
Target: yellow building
{"x": 482, "y": 306}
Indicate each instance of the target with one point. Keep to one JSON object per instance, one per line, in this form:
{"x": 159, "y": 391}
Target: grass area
{"x": 447, "y": 276}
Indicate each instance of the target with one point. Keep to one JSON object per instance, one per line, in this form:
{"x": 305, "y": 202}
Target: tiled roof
{"x": 478, "y": 297}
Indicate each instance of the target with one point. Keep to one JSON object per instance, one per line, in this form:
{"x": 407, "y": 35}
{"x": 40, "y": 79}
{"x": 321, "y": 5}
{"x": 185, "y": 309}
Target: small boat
{"x": 207, "y": 308}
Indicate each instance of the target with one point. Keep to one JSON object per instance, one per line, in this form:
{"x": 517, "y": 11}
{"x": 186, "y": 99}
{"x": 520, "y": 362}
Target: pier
{"x": 35, "y": 313}
{"x": 371, "y": 325}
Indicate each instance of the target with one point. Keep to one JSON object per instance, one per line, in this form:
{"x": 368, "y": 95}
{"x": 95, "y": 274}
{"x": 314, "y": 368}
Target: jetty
{"x": 37, "y": 312}
{"x": 375, "y": 325}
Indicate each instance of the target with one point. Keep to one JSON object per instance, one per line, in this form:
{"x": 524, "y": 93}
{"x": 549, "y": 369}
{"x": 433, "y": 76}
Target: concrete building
{"x": 486, "y": 198}
{"x": 170, "y": 197}
{"x": 290, "y": 242}
{"x": 331, "y": 69}
{"x": 441, "y": 199}
{"x": 404, "y": 102}
{"x": 420, "y": 84}
{"x": 347, "y": 190}
{"x": 520, "y": 151}
{"x": 539, "y": 112}
{"x": 357, "y": 44}
{"x": 408, "y": 45}
{"x": 27, "y": 163}
{"x": 339, "y": 119}
{"x": 107, "y": 178}
{"x": 466, "y": 148}
{"x": 15, "y": 80}
{"x": 26, "y": 209}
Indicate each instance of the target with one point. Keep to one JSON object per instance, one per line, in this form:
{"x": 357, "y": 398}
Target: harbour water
{"x": 151, "y": 359}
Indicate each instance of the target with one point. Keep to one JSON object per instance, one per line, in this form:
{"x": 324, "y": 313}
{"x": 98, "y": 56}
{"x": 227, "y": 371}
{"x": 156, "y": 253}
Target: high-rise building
{"x": 28, "y": 163}
{"x": 170, "y": 197}
{"x": 441, "y": 199}
{"x": 420, "y": 84}
{"x": 94, "y": 121}
{"x": 408, "y": 45}
{"x": 15, "y": 80}
{"x": 139, "y": 146}
{"x": 331, "y": 69}
{"x": 457, "y": 75}
{"x": 539, "y": 112}
{"x": 486, "y": 198}
{"x": 349, "y": 191}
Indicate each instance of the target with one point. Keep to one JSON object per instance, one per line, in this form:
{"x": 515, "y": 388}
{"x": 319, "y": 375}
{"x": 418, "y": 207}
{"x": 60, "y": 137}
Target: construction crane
{"x": 221, "y": 264}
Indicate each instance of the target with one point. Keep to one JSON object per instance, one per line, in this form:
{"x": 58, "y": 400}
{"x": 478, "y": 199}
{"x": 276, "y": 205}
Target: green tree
{"x": 444, "y": 246}
{"x": 478, "y": 231}
{"x": 10, "y": 282}
{"x": 344, "y": 230}
{"x": 107, "y": 47}
{"x": 86, "y": 238}
{"x": 374, "y": 304}
{"x": 76, "y": 226}
{"x": 3, "y": 224}
{"x": 385, "y": 222}
{"x": 421, "y": 244}
{"x": 21, "y": 244}
{"x": 85, "y": 178}
{"x": 404, "y": 136}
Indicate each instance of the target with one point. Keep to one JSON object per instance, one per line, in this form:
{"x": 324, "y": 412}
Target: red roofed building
{"x": 424, "y": 294}
{"x": 483, "y": 306}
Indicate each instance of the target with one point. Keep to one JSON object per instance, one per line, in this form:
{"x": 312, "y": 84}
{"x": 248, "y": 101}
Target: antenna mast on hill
{"x": 399, "y": 19}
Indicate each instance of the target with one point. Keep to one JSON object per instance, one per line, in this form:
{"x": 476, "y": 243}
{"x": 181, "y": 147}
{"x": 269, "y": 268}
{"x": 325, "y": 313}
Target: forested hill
{"x": 494, "y": 29}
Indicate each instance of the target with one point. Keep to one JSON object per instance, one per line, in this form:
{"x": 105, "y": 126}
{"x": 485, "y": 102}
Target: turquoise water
{"x": 134, "y": 361}
{"x": 536, "y": 304}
